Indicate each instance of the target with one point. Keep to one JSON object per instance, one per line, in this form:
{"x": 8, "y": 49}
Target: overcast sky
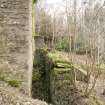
{"x": 54, "y": 1}
{"x": 58, "y": 5}
{"x": 58, "y": 2}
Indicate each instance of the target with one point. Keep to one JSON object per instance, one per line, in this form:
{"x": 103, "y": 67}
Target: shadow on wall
{"x": 41, "y": 75}
{"x": 42, "y": 42}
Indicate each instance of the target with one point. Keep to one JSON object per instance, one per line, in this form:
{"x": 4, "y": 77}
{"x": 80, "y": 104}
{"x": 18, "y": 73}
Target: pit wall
{"x": 54, "y": 81}
{"x": 16, "y": 43}
{"x": 41, "y": 76}
{"x": 62, "y": 86}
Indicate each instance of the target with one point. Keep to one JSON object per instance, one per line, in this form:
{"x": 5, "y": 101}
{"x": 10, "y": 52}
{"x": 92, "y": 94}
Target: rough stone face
{"x": 39, "y": 42}
{"x": 41, "y": 75}
{"x": 62, "y": 86}
{"x": 16, "y": 41}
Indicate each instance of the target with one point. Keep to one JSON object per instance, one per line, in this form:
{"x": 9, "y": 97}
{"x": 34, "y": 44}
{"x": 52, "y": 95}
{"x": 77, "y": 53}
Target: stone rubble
{"x": 11, "y": 96}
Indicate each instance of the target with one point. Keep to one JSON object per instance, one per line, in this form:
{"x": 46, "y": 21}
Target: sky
{"x": 59, "y": 2}
{"x": 54, "y": 5}
{"x": 54, "y": 1}
{"x": 59, "y": 5}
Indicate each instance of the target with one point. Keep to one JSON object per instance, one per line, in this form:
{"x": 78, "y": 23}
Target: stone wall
{"x": 16, "y": 42}
{"x": 41, "y": 75}
{"x": 39, "y": 42}
{"x": 62, "y": 86}
{"x": 63, "y": 90}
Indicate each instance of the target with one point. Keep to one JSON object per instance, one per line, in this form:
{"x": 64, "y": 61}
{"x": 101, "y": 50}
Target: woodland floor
{"x": 100, "y": 84}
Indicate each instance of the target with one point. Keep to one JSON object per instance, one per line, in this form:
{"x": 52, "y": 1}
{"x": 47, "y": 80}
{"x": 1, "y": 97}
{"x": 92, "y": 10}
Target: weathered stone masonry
{"x": 16, "y": 41}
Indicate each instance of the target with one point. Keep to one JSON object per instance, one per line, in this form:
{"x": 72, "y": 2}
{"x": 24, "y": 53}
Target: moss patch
{"x": 59, "y": 56}
{"x": 41, "y": 75}
{"x": 14, "y": 83}
{"x": 36, "y": 76}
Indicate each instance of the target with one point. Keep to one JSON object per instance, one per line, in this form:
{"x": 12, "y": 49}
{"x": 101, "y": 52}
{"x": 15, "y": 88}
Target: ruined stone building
{"x": 16, "y": 42}
{"x": 16, "y": 60}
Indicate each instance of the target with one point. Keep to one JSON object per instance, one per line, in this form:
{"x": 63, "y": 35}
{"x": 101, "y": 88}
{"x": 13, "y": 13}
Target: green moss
{"x": 63, "y": 61}
{"x": 62, "y": 65}
{"x": 14, "y": 83}
{"x": 62, "y": 70}
{"x": 36, "y": 76}
{"x": 59, "y": 56}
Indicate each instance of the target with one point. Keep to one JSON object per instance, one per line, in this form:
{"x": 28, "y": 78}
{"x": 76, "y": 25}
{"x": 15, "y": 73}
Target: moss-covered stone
{"x": 14, "y": 83}
{"x": 59, "y": 56}
{"x": 36, "y": 75}
{"x": 62, "y": 65}
{"x": 16, "y": 41}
